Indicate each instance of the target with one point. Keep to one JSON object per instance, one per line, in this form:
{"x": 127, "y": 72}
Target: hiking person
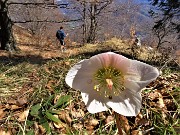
{"x": 60, "y": 36}
{"x": 135, "y": 46}
{"x": 137, "y": 41}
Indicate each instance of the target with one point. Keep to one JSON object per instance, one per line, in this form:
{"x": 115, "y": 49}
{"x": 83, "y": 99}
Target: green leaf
{"x": 31, "y": 132}
{"x": 62, "y": 100}
{"x": 52, "y": 117}
{"x": 43, "y": 120}
{"x": 29, "y": 123}
{"x": 46, "y": 126}
{"x": 35, "y": 110}
{"x": 54, "y": 111}
{"x": 147, "y": 90}
{"x": 48, "y": 100}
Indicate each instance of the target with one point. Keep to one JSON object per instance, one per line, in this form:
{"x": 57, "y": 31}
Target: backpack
{"x": 58, "y": 34}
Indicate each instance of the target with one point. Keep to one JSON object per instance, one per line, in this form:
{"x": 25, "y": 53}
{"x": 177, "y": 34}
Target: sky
{"x": 142, "y": 1}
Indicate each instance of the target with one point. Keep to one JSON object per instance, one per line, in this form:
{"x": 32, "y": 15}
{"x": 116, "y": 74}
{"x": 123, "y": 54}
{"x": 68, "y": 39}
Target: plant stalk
{"x": 118, "y": 123}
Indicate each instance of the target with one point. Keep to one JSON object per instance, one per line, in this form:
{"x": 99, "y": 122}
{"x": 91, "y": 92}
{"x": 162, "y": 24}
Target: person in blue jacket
{"x": 60, "y": 34}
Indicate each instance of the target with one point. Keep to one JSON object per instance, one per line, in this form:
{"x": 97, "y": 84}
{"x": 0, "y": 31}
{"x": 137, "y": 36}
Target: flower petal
{"x": 111, "y": 59}
{"x": 94, "y": 102}
{"x": 139, "y": 76}
{"x": 80, "y": 77}
{"x": 73, "y": 71}
{"x": 127, "y": 104}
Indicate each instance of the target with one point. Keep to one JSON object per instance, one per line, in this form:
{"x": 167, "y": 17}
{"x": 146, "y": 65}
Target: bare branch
{"x": 50, "y": 4}
{"x": 47, "y": 21}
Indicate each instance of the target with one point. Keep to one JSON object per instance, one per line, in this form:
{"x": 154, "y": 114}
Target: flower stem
{"x": 118, "y": 123}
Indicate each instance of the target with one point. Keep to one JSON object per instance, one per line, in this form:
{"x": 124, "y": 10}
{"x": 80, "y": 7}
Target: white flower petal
{"x": 94, "y": 102}
{"x": 80, "y": 77}
{"x": 73, "y": 71}
{"x": 132, "y": 85}
{"x": 139, "y": 76}
{"x": 111, "y": 59}
{"x": 127, "y": 104}
{"x": 146, "y": 71}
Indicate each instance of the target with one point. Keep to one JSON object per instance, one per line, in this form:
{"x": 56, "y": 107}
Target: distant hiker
{"x": 135, "y": 46}
{"x": 137, "y": 41}
{"x": 60, "y": 36}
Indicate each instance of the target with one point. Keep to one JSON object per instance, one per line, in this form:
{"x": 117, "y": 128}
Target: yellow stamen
{"x": 109, "y": 82}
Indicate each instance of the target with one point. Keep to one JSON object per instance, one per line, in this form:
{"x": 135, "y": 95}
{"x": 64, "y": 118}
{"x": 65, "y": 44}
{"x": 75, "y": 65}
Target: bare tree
{"x": 166, "y": 18}
{"x": 89, "y": 11}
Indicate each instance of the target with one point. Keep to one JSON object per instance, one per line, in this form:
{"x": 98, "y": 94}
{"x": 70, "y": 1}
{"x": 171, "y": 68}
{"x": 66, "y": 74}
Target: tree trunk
{"x": 84, "y": 25}
{"x": 93, "y": 24}
{"x": 6, "y": 34}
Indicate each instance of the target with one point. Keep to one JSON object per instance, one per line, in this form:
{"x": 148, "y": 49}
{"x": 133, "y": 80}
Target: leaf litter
{"x": 63, "y": 115}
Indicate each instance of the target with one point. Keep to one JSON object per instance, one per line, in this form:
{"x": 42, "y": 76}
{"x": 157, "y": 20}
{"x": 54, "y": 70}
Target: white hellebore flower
{"x": 110, "y": 80}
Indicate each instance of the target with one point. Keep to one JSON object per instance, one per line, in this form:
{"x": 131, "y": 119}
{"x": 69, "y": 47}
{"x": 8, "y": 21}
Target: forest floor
{"x": 35, "y": 100}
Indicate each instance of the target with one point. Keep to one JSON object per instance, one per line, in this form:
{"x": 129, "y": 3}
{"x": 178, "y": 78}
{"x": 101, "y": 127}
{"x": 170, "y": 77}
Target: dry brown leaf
{"x": 79, "y": 113}
{"x": 42, "y": 129}
{"x": 36, "y": 128}
{"x": 22, "y": 101}
{"x": 67, "y": 63}
{"x": 135, "y": 132}
{"x": 139, "y": 117}
{"x": 90, "y": 130}
{"x": 59, "y": 125}
{"x": 56, "y": 98}
{"x": 169, "y": 103}
{"x": 164, "y": 91}
{"x": 22, "y": 116}
{"x": 47, "y": 70}
{"x": 89, "y": 127}
{"x": 14, "y": 107}
{"x": 12, "y": 101}
{"x": 153, "y": 95}
{"x": 161, "y": 103}
{"x": 64, "y": 115}
{"x": 102, "y": 116}
{"x": 143, "y": 121}
{"x": 2, "y": 106}
{"x": 4, "y": 132}
{"x": 152, "y": 104}
{"x": 49, "y": 85}
{"x": 93, "y": 122}
{"x": 1, "y": 111}
{"x": 163, "y": 108}
{"x": 2, "y": 114}
{"x": 124, "y": 123}
{"x": 109, "y": 119}
{"x": 77, "y": 126}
